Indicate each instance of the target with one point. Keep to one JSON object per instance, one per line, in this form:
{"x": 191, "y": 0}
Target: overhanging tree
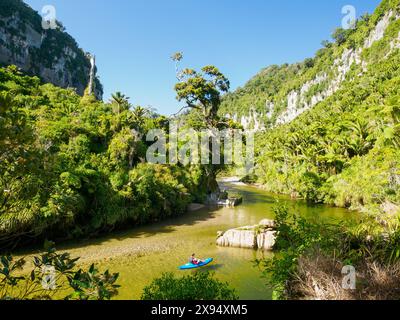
{"x": 202, "y": 91}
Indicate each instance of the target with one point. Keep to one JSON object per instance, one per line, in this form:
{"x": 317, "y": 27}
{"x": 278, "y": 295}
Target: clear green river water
{"x": 144, "y": 253}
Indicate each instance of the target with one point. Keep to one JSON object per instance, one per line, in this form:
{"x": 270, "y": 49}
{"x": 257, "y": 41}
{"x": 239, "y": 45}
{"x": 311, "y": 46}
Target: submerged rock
{"x": 222, "y": 199}
{"x": 230, "y": 202}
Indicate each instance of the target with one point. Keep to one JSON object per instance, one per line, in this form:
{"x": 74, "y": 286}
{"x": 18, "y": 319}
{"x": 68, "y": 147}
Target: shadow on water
{"x": 209, "y": 268}
{"x": 168, "y": 226}
{"x": 213, "y": 267}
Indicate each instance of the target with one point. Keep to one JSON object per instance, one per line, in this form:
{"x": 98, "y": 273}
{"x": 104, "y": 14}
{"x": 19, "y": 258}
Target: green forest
{"x": 345, "y": 150}
{"x": 74, "y": 168}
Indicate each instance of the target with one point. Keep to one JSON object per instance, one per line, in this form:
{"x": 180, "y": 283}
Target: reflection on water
{"x": 144, "y": 253}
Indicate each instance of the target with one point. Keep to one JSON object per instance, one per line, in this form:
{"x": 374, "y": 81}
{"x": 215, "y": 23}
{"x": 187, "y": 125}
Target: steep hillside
{"x": 277, "y": 95}
{"x": 53, "y": 55}
{"x": 336, "y": 125}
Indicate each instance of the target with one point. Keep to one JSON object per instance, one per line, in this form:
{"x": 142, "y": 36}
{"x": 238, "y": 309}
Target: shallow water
{"x": 143, "y": 254}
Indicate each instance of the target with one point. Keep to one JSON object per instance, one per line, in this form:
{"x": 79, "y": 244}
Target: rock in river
{"x": 267, "y": 223}
{"x": 261, "y": 236}
{"x": 237, "y": 238}
{"x": 266, "y": 240}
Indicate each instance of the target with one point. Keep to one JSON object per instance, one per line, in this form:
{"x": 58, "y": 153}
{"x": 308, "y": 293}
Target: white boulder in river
{"x": 268, "y": 223}
{"x": 261, "y": 236}
{"x": 266, "y": 240}
{"x": 238, "y": 238}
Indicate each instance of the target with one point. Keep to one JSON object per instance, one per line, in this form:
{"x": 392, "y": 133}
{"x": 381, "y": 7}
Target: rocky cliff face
{"x": 277, "y": 97}
{"x": 52, "y": 54}
{"x": 297, "y": 102}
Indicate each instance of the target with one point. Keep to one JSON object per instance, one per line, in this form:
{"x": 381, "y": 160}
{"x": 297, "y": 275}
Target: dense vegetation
{"x": 10, "y": 7}
{"x": 54, "y": 276}
{"x": 198, "y": 286}
{"x": 73, "y": 166}
{"x": 345, "y": 150}
{"x": 260, "y": 90}
{"x": 312, "y": 257}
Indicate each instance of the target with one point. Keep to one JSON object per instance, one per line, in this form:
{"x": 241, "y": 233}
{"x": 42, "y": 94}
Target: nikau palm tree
{"x": 121, "y": 100}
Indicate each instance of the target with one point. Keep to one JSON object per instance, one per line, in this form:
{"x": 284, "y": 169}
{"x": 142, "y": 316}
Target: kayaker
{"x": 194, "y": 260}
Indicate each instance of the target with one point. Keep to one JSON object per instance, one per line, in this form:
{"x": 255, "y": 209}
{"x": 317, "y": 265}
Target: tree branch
{"x": 186, "y": 107}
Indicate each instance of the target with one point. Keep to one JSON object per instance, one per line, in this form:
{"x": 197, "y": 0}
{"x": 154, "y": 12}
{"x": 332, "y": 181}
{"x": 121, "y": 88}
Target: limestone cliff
{"x": 279, "y": 94}
{"x": 51, "y": 54}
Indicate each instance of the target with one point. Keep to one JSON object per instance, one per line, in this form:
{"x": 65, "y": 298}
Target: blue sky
{"x": 133, "y": 40}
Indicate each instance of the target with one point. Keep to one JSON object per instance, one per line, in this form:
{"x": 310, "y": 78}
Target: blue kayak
{"x": 194, "y": 266}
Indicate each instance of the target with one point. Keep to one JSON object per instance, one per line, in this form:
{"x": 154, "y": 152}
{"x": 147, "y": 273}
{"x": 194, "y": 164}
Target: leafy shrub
{"x": 53, "y": 275}
{"x": 199, "y": 286}
{"x": 73, "y": 167}
{"x": 372, "y": 246}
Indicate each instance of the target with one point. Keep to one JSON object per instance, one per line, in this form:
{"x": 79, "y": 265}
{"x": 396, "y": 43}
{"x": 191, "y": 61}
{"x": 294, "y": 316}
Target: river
{"x": 144, "y": 253}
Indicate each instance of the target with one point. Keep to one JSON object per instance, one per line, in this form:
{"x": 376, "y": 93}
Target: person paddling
{"x": 194, "y": 260}
{"x": 195, "y": 263}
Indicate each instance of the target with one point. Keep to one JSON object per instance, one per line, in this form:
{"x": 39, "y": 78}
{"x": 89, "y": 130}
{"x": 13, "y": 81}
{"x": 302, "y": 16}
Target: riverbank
{"x": 144, "y": 253}
{"x": 386, "y": 207}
